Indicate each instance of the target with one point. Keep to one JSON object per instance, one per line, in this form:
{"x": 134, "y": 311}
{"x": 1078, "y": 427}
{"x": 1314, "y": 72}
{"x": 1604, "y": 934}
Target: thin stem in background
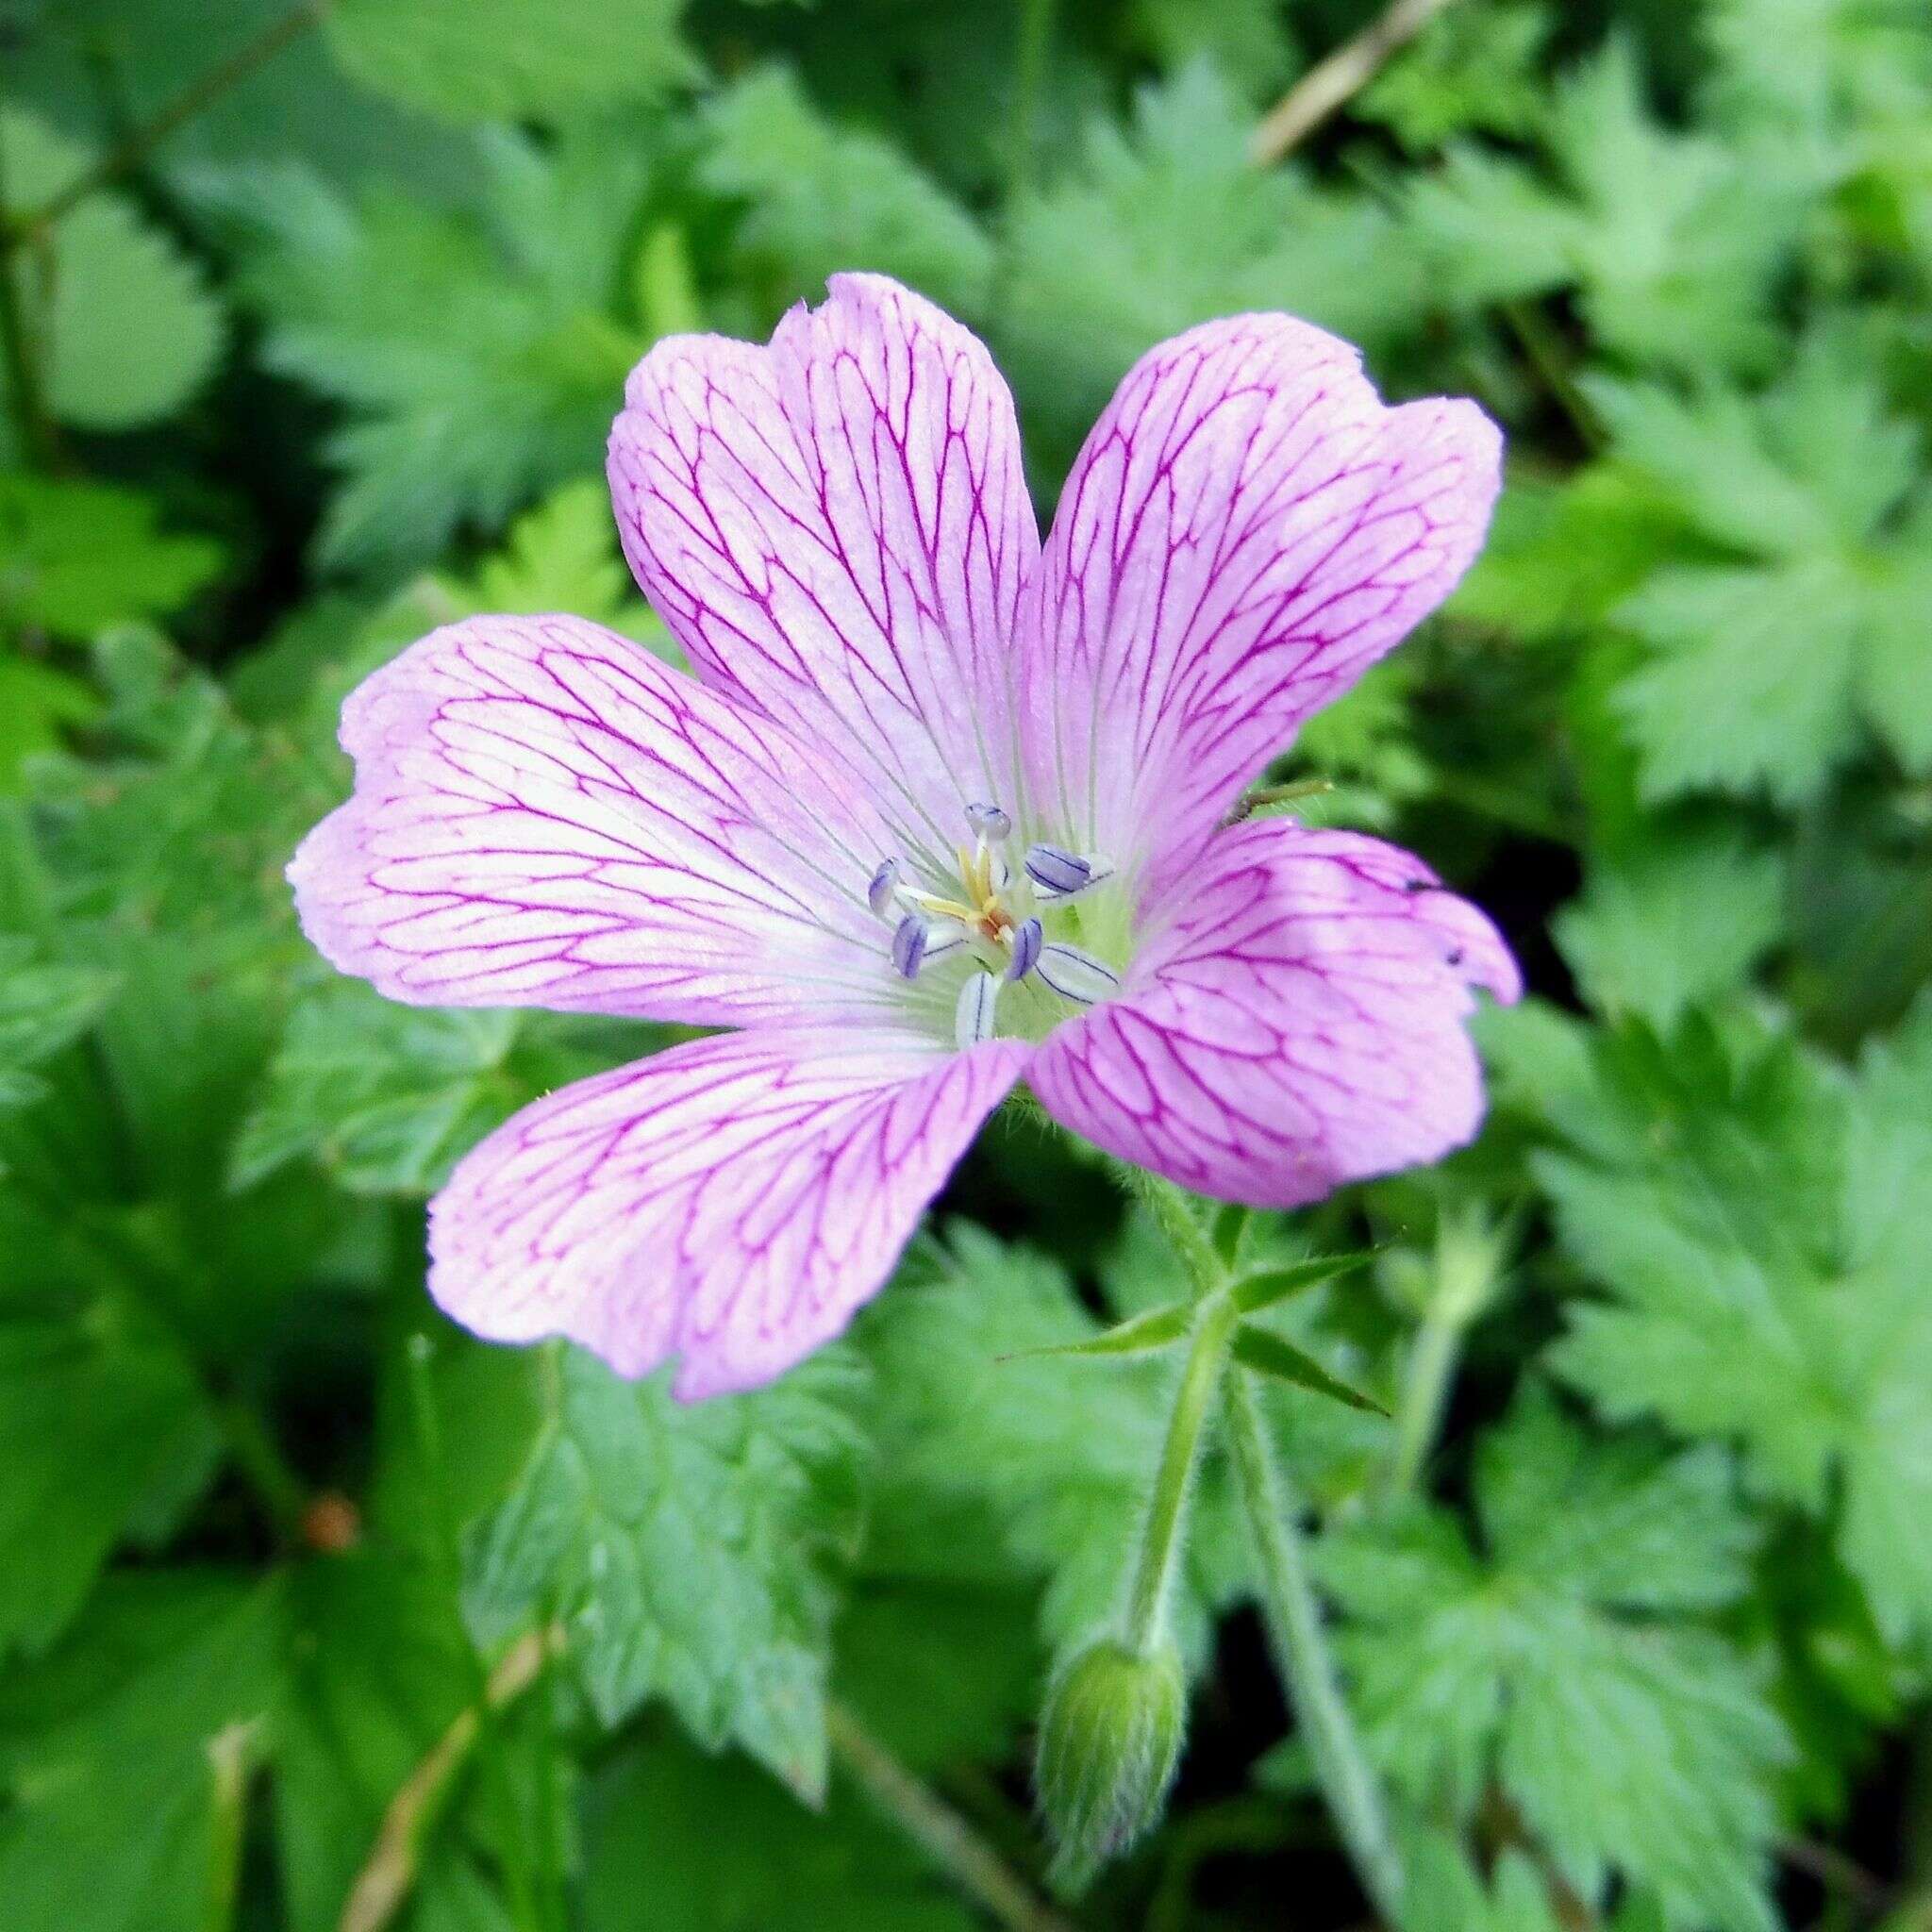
{"x": 20, "y": 352}
{"x": 1295, "y": 1634}
{"x": 483, "y": 1733}
{"x": 231, "y": 1758}
{"x": 383, "y": 1886}
{"x": 199, "y": 94}
{"x": 1541, "y": 343}
{"x": 1328, "y": 85}
{"x": 932, "y": 1824}
{"x": 1022, "y": 129}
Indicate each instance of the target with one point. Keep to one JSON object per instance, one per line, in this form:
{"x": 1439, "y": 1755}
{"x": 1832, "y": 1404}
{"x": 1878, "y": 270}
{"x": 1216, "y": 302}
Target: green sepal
{"x": 1140, "y": 1335}
{"x": 1267, "y": 1286}
{"x": 1267, "y": 1354}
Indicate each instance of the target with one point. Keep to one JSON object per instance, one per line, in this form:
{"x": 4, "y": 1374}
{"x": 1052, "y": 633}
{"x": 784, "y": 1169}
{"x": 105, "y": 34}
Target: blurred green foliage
{"x": 316, "y": 1613}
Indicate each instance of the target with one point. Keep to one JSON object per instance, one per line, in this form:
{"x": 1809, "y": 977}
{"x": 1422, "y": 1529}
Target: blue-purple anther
{"x": 1054, "y": 869}
{"x": 1028, "y": 937}
{"x": 884, "y": 887}
{"x": 908, "y": 944}
{"x": 990, "y": 823}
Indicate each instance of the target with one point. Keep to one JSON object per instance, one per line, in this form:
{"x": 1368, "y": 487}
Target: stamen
{"x": 990, "y": 823}
{"x": 1054, "y": 869}
{"x": 908, "y": 944}
{"x": 940, "y": 908}
{"x": 884, "y": 888}
{"x": 1027, "y": 938}
{"x": 1076, "y": 976}
{"x": 972, "y": 1017}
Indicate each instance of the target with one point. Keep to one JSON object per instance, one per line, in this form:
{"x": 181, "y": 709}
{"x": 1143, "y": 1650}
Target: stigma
{"x": 1001, "y": 916}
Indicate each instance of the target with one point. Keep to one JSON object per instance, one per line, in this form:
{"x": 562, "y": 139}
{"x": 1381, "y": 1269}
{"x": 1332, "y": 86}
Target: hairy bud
{"x": 1108, "y": 1745}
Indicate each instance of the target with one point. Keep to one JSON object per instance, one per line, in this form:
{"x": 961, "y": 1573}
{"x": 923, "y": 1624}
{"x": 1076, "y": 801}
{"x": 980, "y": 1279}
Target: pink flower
{"x": 940, "y": 807}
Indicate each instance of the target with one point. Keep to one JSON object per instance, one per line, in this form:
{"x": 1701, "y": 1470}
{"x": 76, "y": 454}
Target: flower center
{"x": 1023, "y": 971}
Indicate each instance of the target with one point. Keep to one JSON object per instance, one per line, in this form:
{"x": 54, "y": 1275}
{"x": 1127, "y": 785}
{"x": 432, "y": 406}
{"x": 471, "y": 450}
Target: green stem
{"x": 940, "y": 1832}
{"x": 199, "y": 94}
{"x": 383, "y": 1886}
{"x": 258, "y": 1457}
{"x": 1540, "y": 343}
{"x": 1029, "y": 71}
{"x": 1328, "y": 85}
{"x": 1302, "y": 1654}
{"x": 20, "y": 353}
{"x": 1160, "y": 1539}
{"x": 231, "y": 1760}
{"x": 1425, "y": 1395}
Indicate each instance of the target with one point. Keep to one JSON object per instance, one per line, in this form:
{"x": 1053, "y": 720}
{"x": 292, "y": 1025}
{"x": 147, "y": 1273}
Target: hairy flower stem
{"x": 1289, "y": 1605}
{"x": 1160, "y": 1539}
{"x": 1301, "y": 1652}
{"x": 940, "y": 1832}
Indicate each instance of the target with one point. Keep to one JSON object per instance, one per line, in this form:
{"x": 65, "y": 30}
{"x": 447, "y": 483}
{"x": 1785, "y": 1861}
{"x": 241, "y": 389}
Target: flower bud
{"x": 1108, "y": 1745}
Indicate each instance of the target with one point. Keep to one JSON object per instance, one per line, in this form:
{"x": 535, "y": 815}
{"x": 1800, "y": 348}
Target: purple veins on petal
{"x": 1076, "y": 975}
{"x": 908, "y": 944}
{"x": 884, "y": 888}
{"x": 1055, "y": 870}
{"x": 972, "y": 1017}
{"x": 1028, "y": 936}
{"x": 990, "y": 823}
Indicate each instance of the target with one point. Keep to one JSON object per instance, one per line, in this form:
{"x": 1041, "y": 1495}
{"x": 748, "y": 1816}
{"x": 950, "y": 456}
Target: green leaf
{"x": 506, "y": 60}
{"x": 687, "y": 1549}
{"x": 75, "y": 555}
{"x": 123, "y": 1754}
{"x": 1165, "y": 222}
{"x": 298, "y": 103}
{"x": 1673, "y": 246}
{"x": 1471, "y": 68}
{"x": 1758, "y": 1227}
{"x": 37, "y": 703}
{"x": 1765, "y": 660}
{"x": 480, "y": 354}
{"x": 41, "y": 1009}
{"x": 164, "y": 853}
{"x": 717, "y": 1846}
{"x": 1561, "y": 556}
{"x": 376, "y": 1676}
{"x": 386, "y": 1097}
{"x": 106, "y": 1436}
{"x": 819, "y": 198}
{"x": 1268, "y": 1353}
{"x": 1566, "y": 1662}
{"x": 974, "y": 1653}
{"x": 1681, "y": 918}
{"x": 129, "y": 332}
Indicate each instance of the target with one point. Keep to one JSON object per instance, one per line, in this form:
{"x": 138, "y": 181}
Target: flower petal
{"x": 1246, "y": 530}
{"x": 546, "y": 815}
{"x": 1294, "y": 1023}
{"x": 838, "y": 526}
{"x": 730, "y": 1202}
